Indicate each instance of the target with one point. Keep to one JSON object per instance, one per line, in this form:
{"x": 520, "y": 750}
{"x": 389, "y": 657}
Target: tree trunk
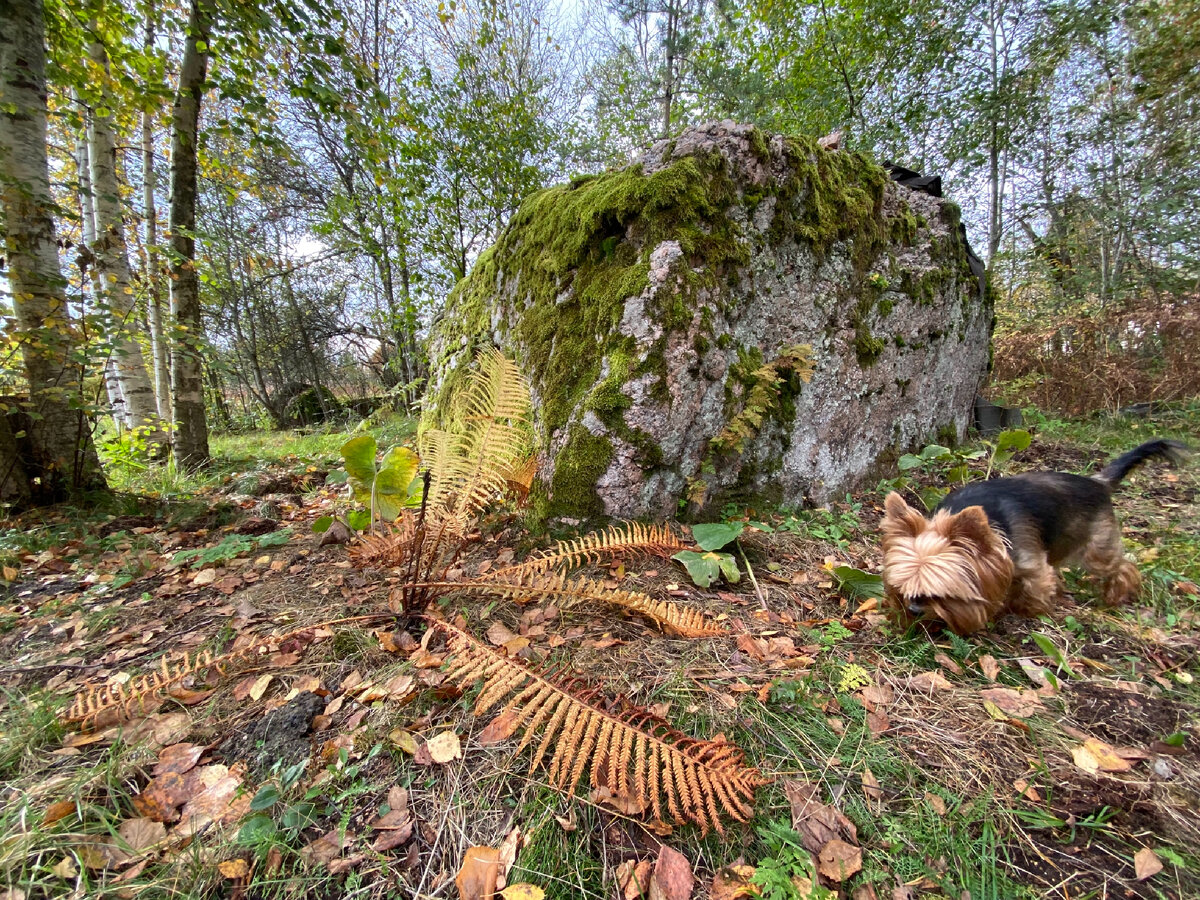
{"x": 112, "y": 262}
{"x": 191, "y": 434}
{"x": 158, "y": 343}
{"x": 60, "y": 459}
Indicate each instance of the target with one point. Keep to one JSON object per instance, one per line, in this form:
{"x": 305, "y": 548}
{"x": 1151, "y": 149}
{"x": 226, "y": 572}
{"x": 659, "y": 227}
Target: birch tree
{"x": 60, "y": 459}
{"x": 112, "y": 260}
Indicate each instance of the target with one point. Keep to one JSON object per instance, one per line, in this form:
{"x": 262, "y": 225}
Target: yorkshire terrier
{"x": 995, "y": 546}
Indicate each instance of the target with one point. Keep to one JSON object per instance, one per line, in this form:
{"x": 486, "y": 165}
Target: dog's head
{"x": 952, "y": 567}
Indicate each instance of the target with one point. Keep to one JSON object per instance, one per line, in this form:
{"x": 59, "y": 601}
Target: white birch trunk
{"x": 112, "y": 261}
{"x": 154, "y": 300}
{"x": 61, "y": 458}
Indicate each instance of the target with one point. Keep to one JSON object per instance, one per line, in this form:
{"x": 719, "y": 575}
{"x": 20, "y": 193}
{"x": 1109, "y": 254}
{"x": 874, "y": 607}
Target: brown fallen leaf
{"x": 870, "y": 785}
{"x": 633, "y": 878}
{"x": 673, "y": 879}
{"x": 877, "y": 695}
{"x": 989, "y": 667}
{"x": 141, "y": 833}
{"x": 936, "y": 803}
{"x": 733, "y": 883}
{"x": 476, "y": 880}
{"x": 928, "y": 682}
{"x": 816, "y": 823}
{"x": 1146, "y": 864}
{"x": 178, "y": 758}
{"x": 444, "y": 747}
{"x": 947, "y": 663}
{"x": 508, "y": 850}
{"x": 499, "y": 634}
{"x": 58, "y": 811}
{"x": 234, "y": 869}
{"x": 499, "y": 729}
{"x": 326, "y": 848}
{"x": 1013, "y": 702}
{"x": 838, "y": 860}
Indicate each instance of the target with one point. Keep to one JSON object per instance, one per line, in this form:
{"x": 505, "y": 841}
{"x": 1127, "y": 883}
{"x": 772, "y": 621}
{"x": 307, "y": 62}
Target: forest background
{"x": 352, "y": 159}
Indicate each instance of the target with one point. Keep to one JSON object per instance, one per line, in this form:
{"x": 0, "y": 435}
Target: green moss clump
{"x": 582, "y": 461}
{"x": 867, "y": 347}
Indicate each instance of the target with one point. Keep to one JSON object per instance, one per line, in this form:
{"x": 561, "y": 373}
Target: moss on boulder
{"x": 630, "y": 297}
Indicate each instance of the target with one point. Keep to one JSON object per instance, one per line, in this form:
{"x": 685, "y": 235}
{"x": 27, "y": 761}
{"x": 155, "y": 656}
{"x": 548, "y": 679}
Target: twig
{"x": 754, "y": 581}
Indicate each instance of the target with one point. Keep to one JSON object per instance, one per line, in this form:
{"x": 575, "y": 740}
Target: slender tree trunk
{"x": 154, "y": 301}
{"x": 191, "y": 435}
{"x": 58, "y": 458}
{"x": 668, "y": 87}
{"x": 112, "y": 261}
{"x": 87, "y": 260}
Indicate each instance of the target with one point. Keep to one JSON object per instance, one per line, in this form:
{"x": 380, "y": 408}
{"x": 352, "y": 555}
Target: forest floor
{"x": 1050, "y": 758}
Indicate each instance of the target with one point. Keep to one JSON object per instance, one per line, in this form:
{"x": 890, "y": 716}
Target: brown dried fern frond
{"x": 632, "y": 753}
{"x": 121, "y": 701}
{"x": 591, "y": 548}
{"x": 572, "y": 591}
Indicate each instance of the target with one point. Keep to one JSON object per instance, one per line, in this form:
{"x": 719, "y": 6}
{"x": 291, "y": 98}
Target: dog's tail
{"x": 1116, "y": 470}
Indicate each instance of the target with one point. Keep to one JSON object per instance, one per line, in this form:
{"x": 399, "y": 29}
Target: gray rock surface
{"x": 640, "y": 320}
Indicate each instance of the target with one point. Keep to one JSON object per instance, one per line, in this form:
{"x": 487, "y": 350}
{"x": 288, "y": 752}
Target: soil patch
{"x": 1123, "y": 717}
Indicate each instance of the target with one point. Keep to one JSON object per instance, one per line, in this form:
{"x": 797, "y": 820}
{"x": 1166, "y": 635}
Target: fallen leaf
{"x": 141, "y": 833}
{"x": 234, "y": 869}
{"x": 947, "y": 663}
{"x": 1146, "y": 864}
{"x": 509, "y": 848}
{"x": 499, "y": 729}
{"x": 733, "y": 883}
{"x": 936, "y": 803}
{"x": 1096, "y": 756}
{"x": 673, "y": 877}
{"x": 326, "y": 848}
{"x": 65, "y": 869}
{"x": 57, "y": 811}
{"x": 444, "y": 747}
{"x": 476, "y": 880}
{"x": 928, "y": 682}
{"x": 989, "y": 667}
{"x": 523, "y": 891}
{"x": 839, "y": 860}
{"x": 1013, "y": 702}
{"x": 816, "y": 823}
{"x": 205, "y": 577}
{"x": 870, "y": 785}
{"x": 178, "y": 758}
{"x": 878, "y": 695}
{"x": 1023, "y": 787}
{"x": 260, "y": 686}
{"x": 404, "y": 740}
{"x": 499, "y": 634}
{"x": 633, "y": 878}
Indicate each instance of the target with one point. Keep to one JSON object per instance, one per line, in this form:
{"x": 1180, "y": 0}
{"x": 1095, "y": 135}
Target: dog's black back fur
{"x": 1061, "y": 507}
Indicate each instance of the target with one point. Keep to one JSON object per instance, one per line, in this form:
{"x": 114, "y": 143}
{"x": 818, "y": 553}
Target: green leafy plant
{"x": 232, "y": 546}
{"x": 787, "y": 859}
{"x": 1006, "y": 445}
{"x": 857, "y": 584}
{"x": 385, "y": 489}
{"x": 709, "y": 565}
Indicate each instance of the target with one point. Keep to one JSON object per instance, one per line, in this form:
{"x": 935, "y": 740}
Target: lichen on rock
{"x": 638, "y": 300}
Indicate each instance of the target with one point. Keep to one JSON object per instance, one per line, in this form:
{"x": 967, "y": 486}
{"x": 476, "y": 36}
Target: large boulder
{"x": 666, "y": 314}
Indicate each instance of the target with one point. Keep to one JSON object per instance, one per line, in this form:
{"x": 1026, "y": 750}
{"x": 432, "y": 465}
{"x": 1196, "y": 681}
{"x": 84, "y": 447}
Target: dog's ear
{"x": 900, "y": 519}
{"x": 971, "y": 526}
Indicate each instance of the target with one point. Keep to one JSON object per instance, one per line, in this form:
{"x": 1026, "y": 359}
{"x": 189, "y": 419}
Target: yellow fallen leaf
{"x": 1096, "y": 756}
{"x": 444, "y": 747}
{"x": 523, "y": 891}
{"x": 260, "y": 686}
{"x": 404, "y": 740}
{"x": 234, "y": 869}
{"x": 65, "y": 868}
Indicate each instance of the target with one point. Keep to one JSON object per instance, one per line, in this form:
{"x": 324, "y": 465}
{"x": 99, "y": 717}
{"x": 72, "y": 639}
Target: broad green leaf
{"x": 359, "y": 519}
{"x": 702, "y": 567}
{"x": 359, "y": 455}
{"x": 322, "y": 524}
{"x": 267, "y": 796}
{"x": 935, "y": 451}
{"x": 859, "y": 584}
{"x": 337, "y": 476}
{"x": 729, "y": 567}
{"x": 393, "y": 481}
{"x": 256, "y": 830}
{"x": 908, "y": 461}
{"x": 1014, "y": 440}
{"x": 715, "y": 535}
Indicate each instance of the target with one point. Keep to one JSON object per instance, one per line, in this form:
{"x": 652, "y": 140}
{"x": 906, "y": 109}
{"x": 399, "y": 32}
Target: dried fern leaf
{"x": 117, "y": 702}
{"x": 631, "y": 750}
{"x": 679, "y": 620}
{"x": 591, "y": 548}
